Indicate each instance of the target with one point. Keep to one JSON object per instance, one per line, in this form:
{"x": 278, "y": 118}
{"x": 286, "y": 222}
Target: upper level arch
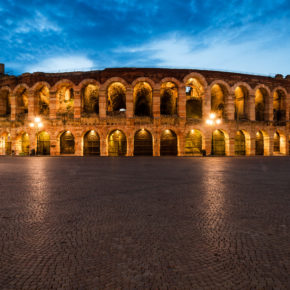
{"x": 61, "y": 83}
{"x": 109, "y": 81}
{"x": 198, "y": 76}
{"x": 86, "y": 82}
{"x": 143, "y": 79}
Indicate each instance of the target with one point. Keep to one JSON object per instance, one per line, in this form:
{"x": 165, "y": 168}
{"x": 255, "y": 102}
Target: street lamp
{"x": 37, "y": 124}
{"x": 213, "y": 120}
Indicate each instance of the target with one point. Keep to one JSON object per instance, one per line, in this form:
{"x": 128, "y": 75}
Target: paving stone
{"x": 144, "y": 223}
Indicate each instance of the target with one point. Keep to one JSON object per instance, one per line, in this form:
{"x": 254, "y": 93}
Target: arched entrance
{"x": 168, "y": 99}
{"x": 5, "y": 142}
{"x": 240, "y": 143}
{"x": 193, "y": 143}
{"x": 194, "y": 93}
{"x": 25, "y": 144}
{"x": 91, "y": 143}
{"x": 143, "y": 143}
{"x": 117, "y": 143}
{"x": 142, "y": 99}
{"x": 218, "y": 143}
{"x": 67, "y": 143}
{"x": 43, "y": 144}
{"x": 218, "y": 100}
{"x": 276, "y": 142}
{"x": 259, "y": 143}
{"x": 168, "y": 143}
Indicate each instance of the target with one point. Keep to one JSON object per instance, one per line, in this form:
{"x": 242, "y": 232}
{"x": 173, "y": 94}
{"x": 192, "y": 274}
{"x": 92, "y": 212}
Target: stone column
{"x": 32, "y": 140}
{"x": 77, "y": 104}
{"x": 156, "y": 144}
{"x": 13, "y": 107}
{"x": 206, "y": 106}
{"x": 230, "y": 107}
{"x": 52, "y": 105}
{"x": 251, "y": 113}
{"x": 78, "y": 145}
{"x": 271, "y": 145}
{"x": 130, "y": 145}
{"x": 53, "y": 146}
{"x": 31, "y": 105}
{"x": 129, "y": 103}
{"x": 180, "y": 145}
{"x": 103, "y": 145}
{"x": 102, "y": 104}
{"x": 253, "y": 144}
{"x": 269, "y": 109}
{"x": 207, "y": 141}
{"x": 181, "y": 105}
{"x": 156, "y": 102}
{"x": 231, "y": 146}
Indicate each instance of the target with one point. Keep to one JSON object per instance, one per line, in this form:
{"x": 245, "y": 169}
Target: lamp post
{"x": 37, "y": 124}
{"x": 213, "y": 121}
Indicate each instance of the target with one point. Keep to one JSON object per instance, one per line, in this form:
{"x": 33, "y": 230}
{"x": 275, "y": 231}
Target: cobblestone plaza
{"x": 144, "y": 223}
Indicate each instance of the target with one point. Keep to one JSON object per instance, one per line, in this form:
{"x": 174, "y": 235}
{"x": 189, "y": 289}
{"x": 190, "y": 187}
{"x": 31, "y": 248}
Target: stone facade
{"x": 163, "y": 102}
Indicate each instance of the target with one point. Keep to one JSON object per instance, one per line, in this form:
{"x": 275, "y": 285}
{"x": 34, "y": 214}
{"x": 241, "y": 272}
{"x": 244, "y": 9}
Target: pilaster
{"x": 77, "y": 104}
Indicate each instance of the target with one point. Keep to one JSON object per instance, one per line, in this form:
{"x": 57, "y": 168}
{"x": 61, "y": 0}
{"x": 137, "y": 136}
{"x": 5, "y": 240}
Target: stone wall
{"x": 16, "y": 122}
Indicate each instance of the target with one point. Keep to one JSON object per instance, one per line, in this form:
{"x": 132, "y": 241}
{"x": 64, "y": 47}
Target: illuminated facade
{"x": 134, "y": 111}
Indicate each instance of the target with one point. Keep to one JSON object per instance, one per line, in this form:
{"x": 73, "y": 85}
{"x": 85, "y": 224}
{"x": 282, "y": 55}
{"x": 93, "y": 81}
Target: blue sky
{"x": 61, "y": 35}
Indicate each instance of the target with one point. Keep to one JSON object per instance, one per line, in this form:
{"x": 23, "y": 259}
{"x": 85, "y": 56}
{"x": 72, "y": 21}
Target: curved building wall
{"x": 254, "y": 112}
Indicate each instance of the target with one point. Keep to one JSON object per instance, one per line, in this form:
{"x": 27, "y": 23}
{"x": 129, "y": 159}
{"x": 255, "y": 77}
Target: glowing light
{"x": 68, "y": 132}
{"x": 192, "y": 131}
{"x": 209, "y": 122}
{"x": 31, "y": 125}
{"x": 212, "y": 115}
{"x": 40, "y": 125}
{"x": 37, "y": 120}
{"x": 218, "y": 121}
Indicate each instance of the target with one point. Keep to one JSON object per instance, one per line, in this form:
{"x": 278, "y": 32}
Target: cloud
{"x": 66, "y": 63}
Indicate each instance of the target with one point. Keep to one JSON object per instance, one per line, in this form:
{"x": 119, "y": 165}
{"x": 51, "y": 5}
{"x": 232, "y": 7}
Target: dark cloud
{"x": 124, "y": 32}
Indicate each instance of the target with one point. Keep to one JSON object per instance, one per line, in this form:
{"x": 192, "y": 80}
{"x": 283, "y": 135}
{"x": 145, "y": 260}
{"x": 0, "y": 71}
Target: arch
{"x": 143, "y": 80}
{"x": 193, "y": 143}
{"x": 142, "y": 96}
{"x": 21, "y": 98}
{"x": 168, "y": 98}
{"x": 5, "y": 102}
{"x": 67, "y": 143}
{"x": 241, "y": 102}
{"x": 172, "y": 80}
{"x": 91, "y": 144}
{"x": 261, "y": 97}
{"x": 222, "y": 83}
{"x": 86, "y": 82}
{"x": 20, "y": 87}
{"x": 23, "y": 144}
{"x": 143, "y": 143}
{"x": 90, "y": 98}
{"x": 244, "y": 85}
{"x": 64, "y": 97}
{"x": 197, "y": 76}
{"x": 168, "y": 143}
{"x": 63, "y": 82}
{"x": 42, "y": 98}
{"x": 40, "y": 84}
{"x": 109, "y": 81}
{"x": 117, "y": 143}
{"x": 219, "y": 94}
{"x": 116, "y": 99}
{"x": 262, "y": 143}
{"x": 194, "y": 98}
{"x": 240, "y": 143}
{"x": 218, "y": 143}
{"x": 279, "y": 143}
{"x": 279, "y": 106}
{"x": 43, "y": 143}
{"x": 5, "y": 144}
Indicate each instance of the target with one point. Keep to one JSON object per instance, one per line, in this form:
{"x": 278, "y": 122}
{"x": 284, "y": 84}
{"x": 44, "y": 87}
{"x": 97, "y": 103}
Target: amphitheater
{"x": 144, "y": 111}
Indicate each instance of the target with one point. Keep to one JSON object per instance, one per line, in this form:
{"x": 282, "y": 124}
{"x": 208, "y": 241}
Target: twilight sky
{"x": 60, "y": 35}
